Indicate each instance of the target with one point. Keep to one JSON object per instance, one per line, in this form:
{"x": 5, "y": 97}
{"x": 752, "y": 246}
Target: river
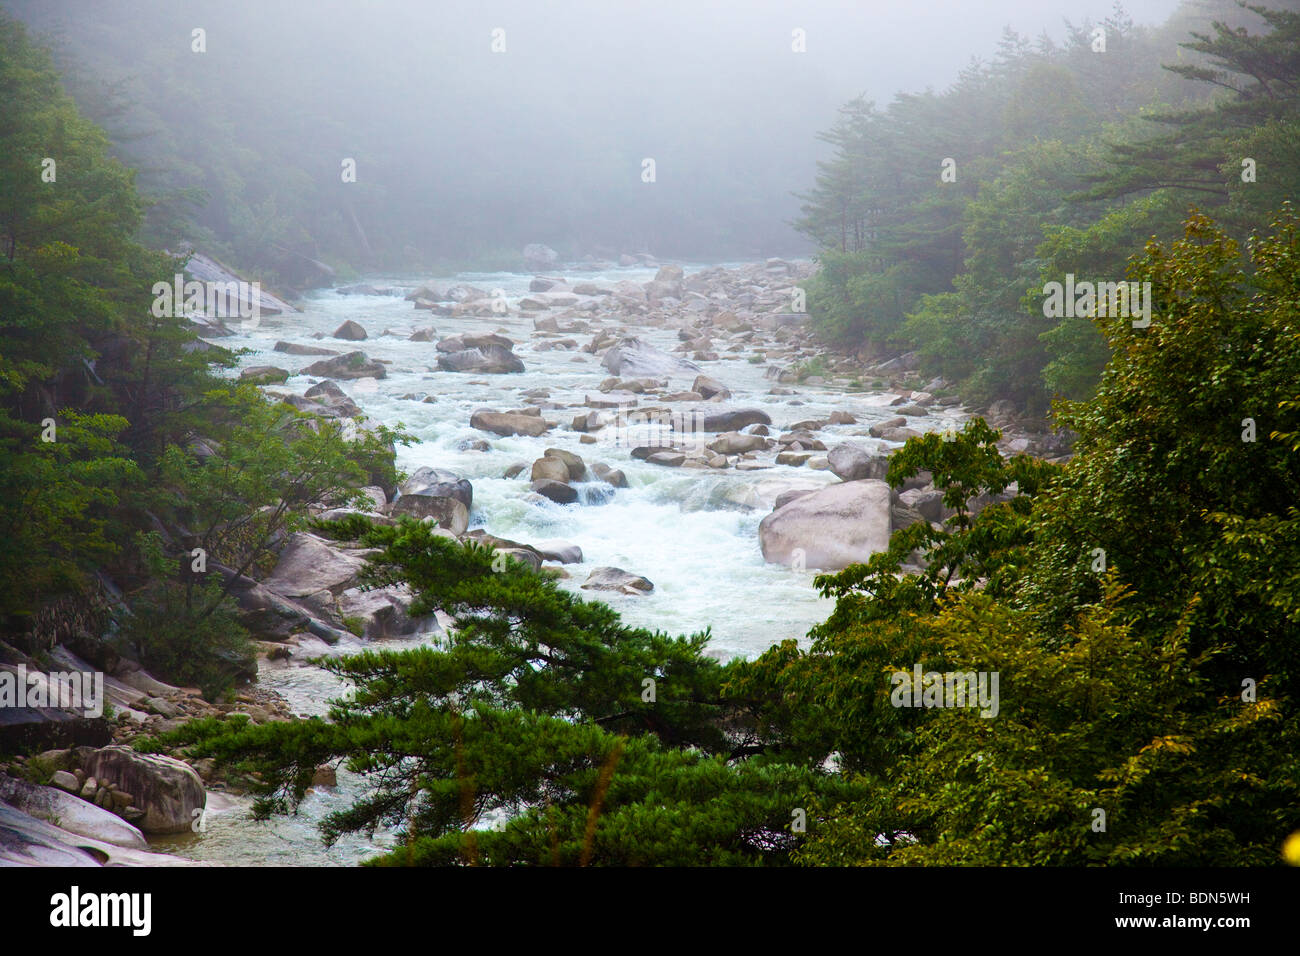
{"x": 693, "y": 533}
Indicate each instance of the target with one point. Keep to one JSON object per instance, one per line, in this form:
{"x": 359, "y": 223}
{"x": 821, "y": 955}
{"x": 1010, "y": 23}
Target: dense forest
{"x": 1138, "y": 599}
{"x": 1049, "y": 160}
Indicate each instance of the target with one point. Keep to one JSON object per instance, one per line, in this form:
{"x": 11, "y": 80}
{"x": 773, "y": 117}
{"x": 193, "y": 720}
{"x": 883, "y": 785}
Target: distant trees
{"x": 1065, "y": 158}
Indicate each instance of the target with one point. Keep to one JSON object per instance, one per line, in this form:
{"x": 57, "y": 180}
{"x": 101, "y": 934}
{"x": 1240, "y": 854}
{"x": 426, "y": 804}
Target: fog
{"x": 465, "y": 153}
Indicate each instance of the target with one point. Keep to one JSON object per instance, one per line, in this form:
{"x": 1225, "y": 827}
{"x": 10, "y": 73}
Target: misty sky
{"x": 559, "y": 123}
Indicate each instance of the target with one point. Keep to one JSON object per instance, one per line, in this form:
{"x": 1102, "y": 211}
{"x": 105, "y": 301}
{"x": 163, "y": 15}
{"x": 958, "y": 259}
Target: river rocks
{"x": 632, "y": 357}
{"x": 590, "y": 288}
{"x": 349, "y": 366}
{"x": 292, "y": 348}
{"x": 732, "y": 420}
{"x": 840, "y": 525}
{"x": 490, "y": 359}
{"x": 508, "y": 423}
{"x": 446, "y": 512}
{"x": 898, "y": 434}
{"x": 167, "y": 790}
{"x": 611, "y": 476}
{"x": 926, "y": 502}
{"x": 841, "y": 418}
{"x": 515, "y": 470}
{"x": 616, "y": 579}
{"x": 542, "y": 284}
{"x": 270, "y": 616}
{"x": 853, "y": 463}
{"x": 428, "y": 291}
{"x": 462, "y": 292}
{"x": 793, "y": 458}
{"x": 562, "y": 552}
{"x": 710, "y": 387}
{"x": 383, "y": 612}
{"x": 308, "y": 564}
{"x": 670, "y": 459}
{"x": 573, "y": 463}
{"x": 785, "y": 497}
{"x": 438, "y": 482}
{"x": 667, "y": 284}
{"x": 350, "y": 331}
{"x": 549, "y": 469}
{"x": 912, "y": 410}
{"x": 734, "y": 443}
{"x": 329, "y": 400}
{"x": 427, "y": 334}
{"x": 557, "y": 491}
{"x": 71, "y": 813}
{"x": 65, "y": 781}
{"x": 540, "y": 257}
{"x": 878, "y": 429}
{"x": 264, "y": 375}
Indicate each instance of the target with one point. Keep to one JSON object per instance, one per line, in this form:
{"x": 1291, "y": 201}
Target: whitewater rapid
{"x": 693, "y": 533}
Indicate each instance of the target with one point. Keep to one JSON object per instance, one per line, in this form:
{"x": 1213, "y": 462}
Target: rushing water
{"x": 693, "y": 533}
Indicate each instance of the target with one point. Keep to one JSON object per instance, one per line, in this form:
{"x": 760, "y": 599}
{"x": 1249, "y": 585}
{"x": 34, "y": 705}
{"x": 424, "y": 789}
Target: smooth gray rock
{"x": 616, "y": 579}
{"x": 840, "y": 525}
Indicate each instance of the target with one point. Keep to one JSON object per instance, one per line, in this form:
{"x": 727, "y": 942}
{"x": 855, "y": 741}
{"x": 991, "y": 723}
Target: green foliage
{"x": 268, "y": 468}
{"x": 182, "y": 631}
{"x": 1049, "y": 182}
{"x": 57, "y": 502}
{"x": 536, "y": 707}
{"x": 1122, "y": 690}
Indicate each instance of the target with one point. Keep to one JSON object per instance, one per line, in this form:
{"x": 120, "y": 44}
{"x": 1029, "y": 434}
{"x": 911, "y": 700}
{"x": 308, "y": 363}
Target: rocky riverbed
{"x": 668, "y": 439}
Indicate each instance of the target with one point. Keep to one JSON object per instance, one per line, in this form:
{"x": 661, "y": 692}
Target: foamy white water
{"x": 693, "y": 533}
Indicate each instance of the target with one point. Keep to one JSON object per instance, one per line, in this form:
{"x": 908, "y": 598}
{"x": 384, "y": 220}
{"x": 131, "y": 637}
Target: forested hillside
{"x": 942, "y": 215}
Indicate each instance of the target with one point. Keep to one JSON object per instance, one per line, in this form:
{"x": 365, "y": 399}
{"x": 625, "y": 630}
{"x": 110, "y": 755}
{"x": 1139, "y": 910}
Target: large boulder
{"x": 734, "y": 443}
{"x": 383, "y": 612}
{"x": 348, "y": 366}
{"x": 557, "y": 491}
{"x": 273, "y": 617}
{"x": 549, "y": 469}
{"x": 308, "y": 564}
{"x": 854, "y": 463}
{"x": 264, "y": 375}
{"x": 577, "y": 468}
{"x": 734, "y": 419}
{"x": 446, "y": 512}
{"x": 710, "y": 387}
{"x": 71, "y": 813}
{"x": 491, "y": 359}
{"x": 840, "y": 525}
{"x": 332, "y": 399}
{"x": 508, "y": 423}
{"x": 667, "y": 284}
{"x": 616, "y": 579}
{"x": 563, "y": 552}
{"x": 350, "y": 331}
{"x": 167, "y": 790}
{"x": 292, "y": 348}
{"x": 439, "y": 483}
{"x": 632, "y": 357}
